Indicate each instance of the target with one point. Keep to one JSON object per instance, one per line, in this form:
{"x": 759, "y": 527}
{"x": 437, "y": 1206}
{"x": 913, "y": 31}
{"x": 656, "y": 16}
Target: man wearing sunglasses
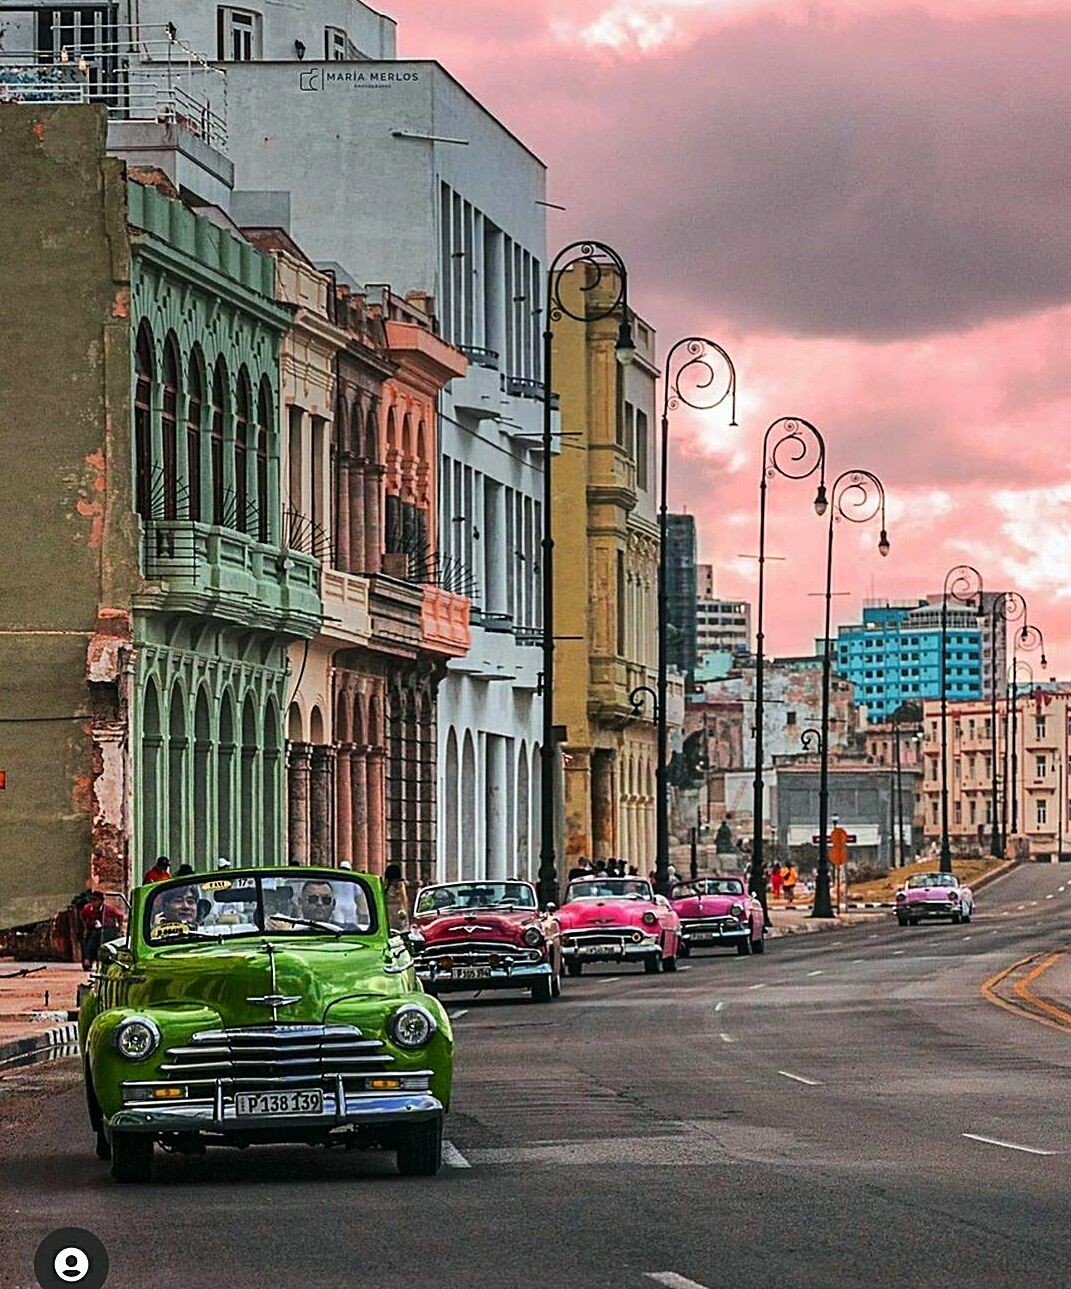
{"x": 316, "y": 901}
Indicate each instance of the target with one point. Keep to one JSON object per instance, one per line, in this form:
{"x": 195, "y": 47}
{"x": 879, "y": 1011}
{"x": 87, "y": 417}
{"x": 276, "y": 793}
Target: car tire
{"x": 103, "y": 1147}
{"x": 556, "y": 983}
{"x": 652, "y": 964}
{"x": 542, "y": 989}
{"x": 574, "y": 968}
{"x": 901, "y": 921}
{"x": 759, "y": 945}
{"x": 913, "y": 921}
{"x": 132, "y": 1157}
{"x": 684, "y": 949}
{"x": 669, "y": 964}
{"x": 743, "y": 949}
{"x": 420, "y": 1148}
{"x": 967, "y": 916}
{"x": 957, "y": 918}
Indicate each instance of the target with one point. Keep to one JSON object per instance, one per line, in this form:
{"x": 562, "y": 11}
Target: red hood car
{"x": 617, "y": 919}
{"x": 718, "y": 911}
{"x": 485, "y": 935}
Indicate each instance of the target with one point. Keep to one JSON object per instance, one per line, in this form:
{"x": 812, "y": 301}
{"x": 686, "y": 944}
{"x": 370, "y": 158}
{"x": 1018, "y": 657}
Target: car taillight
{"x": 650, "y": 918}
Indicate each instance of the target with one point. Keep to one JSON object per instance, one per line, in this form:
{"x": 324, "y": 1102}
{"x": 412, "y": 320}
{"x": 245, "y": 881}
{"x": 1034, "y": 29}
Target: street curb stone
{"x": 38, "y": 1047}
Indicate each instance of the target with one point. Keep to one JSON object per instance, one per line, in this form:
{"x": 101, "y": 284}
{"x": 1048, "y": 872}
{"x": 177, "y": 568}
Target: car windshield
{"x": 476, "y": 895}
{"x": 708, "y": 886}
{"x": 215, "y": 908}
{"x": 600, "y": 888}
{"x": 921, "y": 881}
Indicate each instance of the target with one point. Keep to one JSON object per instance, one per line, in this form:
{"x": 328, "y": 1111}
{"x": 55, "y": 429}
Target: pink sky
{"x": 868, "y": 205}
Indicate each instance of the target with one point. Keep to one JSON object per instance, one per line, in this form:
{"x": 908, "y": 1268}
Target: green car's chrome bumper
{"x": 214, "y": 1110}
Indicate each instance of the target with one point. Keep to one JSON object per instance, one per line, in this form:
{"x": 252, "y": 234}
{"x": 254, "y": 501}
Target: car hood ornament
{"x": 274, "y": 1000}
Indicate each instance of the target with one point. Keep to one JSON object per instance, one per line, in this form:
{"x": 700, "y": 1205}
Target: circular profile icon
{"x": 71, "y": 1257}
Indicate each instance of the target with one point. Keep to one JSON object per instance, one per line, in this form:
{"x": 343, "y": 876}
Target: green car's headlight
{"x": 412, "y": 1027}
{"x": 136, "y": 1038}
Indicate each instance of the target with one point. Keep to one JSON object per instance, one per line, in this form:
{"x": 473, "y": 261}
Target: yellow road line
{"x": 988, "y": 991}
{"x": 1028, "y": 996}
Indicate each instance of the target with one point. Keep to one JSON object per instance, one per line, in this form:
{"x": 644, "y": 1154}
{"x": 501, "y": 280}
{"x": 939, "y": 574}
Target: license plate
{"x": 703, "y": 935}
{"x": 594, "y": 950}
{"x": 311, "y": 1102}
{"x": 472, "y": 973}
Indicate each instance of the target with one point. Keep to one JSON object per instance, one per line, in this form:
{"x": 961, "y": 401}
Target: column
{"x": 604, "y": 839}
{"x": 357, "y": 521}
{"x": 321, "y": 847}
{"x": 496, "y": 836}
{"x": 376, "y": 762}
{"x": 373, "y": 517}
{"x": 342, "y": 514}
{"x": 359, "y": 797}
{"x": 298, "y": 761}
{"x": 343, "y": 804}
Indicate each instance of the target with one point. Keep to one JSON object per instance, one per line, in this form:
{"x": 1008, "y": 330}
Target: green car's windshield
{"x": 214, "y": 908}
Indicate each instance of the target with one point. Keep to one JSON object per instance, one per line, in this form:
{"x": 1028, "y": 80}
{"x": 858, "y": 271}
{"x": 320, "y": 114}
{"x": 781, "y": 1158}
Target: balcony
{"x": 445, "y": 622}
{"x": 219, "y": 572}
{"x": 522, "y": 413}
{"x": 479, "y": 391}
{"x": 496, "y": 655}
{"x": 347, "y": 609}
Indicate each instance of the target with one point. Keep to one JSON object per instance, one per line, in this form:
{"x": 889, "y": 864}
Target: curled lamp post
{"x": 963, "y": 584}
{"x": 636, "y": 697}
{"x": 794, "y": 449}
{"x": 1028, "y": 639}
{"x": 599, "y": 263}
{"x": 690, "y": 380}
{"x": 1007, "y": 607}
{"x": 811, "y": 740}
{"x": 857, "y": 497}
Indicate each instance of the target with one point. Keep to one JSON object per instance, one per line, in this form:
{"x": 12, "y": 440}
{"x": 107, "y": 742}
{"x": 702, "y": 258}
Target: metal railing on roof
{"x": 148, "y": 75}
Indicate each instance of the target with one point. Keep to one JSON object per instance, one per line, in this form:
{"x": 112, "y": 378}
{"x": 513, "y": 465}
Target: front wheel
{"x": 759, "y": 945}
{"x": 669, "y": 964}
{"x": 967, "y": 916}
{"x": 684, "y": 949}
{"x": 913, "y": 921}
{"x": 957, "y": 918}
{"x": 131, "y": 1157}
{"x": 103, "y": 1146}
{"x": 901, "y": 921}
{"x": 542, "y": 989}
{"x": 556, "y": 983}
{"x": 574, "y": 968}
{"x": 743, "y": 949}
{"x": 420, "y": 1149}
{"x": 652, "y": 964}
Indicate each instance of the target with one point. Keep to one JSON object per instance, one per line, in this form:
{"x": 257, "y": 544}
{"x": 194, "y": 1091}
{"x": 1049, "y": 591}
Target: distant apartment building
{"x": 681, "y": 594}
{"x": 721, "y": 626}
{"x": 893, "y": 655}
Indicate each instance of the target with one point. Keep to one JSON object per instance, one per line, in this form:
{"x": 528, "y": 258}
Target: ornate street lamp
{"x": 858, "y": 497}
{"x": 598, "y": 262}
{"x": 1009, "y": 606}
{"x": 811, "y": 740}
{"x": 963, "y": 583}
{"x": 1028, "y": 639}
{"x": 690, "y": 380}
{"x": 794, "y": 449}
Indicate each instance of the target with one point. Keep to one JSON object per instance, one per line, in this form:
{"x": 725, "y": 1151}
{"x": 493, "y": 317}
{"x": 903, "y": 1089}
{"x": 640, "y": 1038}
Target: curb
{"x": 996, "y": 874}
{"x": 38, "y": 1047}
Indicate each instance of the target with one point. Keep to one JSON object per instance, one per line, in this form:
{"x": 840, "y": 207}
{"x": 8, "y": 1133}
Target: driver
{"x": 179, "y": 904}
{"x": 316, "y": 901}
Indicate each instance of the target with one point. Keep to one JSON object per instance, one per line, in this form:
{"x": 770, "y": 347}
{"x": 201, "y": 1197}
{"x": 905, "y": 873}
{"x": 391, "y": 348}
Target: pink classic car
{"x": 618, "y": 919}
{"x": 933, "y": 895}
{"x": 485, "y": 935}
{"x": 718, "y": 912}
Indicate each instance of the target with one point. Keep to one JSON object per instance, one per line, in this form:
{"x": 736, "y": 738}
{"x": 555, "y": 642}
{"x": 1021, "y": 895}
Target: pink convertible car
{"x": 933, "y": 895}
{"x": 618, "y": 919}
{"x": 718, "y": 912}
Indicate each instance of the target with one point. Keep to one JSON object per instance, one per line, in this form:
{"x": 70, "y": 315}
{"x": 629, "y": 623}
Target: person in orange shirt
{"x": 160, "y": 871}
{"x": 789, "y": 878}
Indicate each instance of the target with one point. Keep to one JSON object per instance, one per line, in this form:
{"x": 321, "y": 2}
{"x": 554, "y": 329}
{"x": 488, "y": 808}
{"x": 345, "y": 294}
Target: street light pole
{"x": 1028, "y": 639}
{"x": 597, "y": 261}
{"x": 962, "y": 582}
{"x": 899, "y": 789}
{"x": 689, "y": 381}
{"x": 857, "y": 496}
{"x": 795, "y": 449}
{"x": 1009, "y": 606}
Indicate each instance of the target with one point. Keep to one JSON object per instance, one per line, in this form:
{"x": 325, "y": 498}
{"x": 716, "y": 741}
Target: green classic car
{"x": 263, "y": 1005}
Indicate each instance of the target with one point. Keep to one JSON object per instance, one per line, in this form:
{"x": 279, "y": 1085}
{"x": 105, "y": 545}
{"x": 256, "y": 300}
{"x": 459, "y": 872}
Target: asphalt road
{"x": 799, "y": 1119}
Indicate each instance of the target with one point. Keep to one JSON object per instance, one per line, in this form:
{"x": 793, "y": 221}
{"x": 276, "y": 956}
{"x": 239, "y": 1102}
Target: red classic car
{"x": 618, "y": 919}
{"x": 718, "y": 911}
{"x": 485, "y": 935}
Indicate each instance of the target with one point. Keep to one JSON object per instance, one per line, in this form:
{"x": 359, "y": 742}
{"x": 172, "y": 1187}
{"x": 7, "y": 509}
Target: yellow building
{"x": 605, "y": 579}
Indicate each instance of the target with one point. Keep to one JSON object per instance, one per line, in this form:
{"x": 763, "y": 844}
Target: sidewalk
{"x": 798, "y": 920}
{"x": 38, "y": 1004}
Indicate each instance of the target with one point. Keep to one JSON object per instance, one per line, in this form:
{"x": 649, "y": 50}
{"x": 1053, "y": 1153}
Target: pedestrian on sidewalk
{"x": 776, "y": 879}
{"x": 160, "y": 871}
{"x": 397, "y": 894}
{"x": 102, "y": 922}
{"x": 789, "y": 878}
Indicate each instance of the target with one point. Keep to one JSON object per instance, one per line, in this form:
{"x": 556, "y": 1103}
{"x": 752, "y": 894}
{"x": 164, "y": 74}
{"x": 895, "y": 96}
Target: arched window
{"x": 241, "y": 453}
{"x": 195, "y": 411}
{"x": 219, "y": 416}
{"x": 144, "y": 372}
{"x": 264, "y": 419}
{"x": 169, "y": 426}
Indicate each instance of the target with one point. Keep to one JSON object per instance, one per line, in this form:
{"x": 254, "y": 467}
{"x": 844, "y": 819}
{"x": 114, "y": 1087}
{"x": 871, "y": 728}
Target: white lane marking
{"x": 1061, "y": 888}
{"x": 798, "y": 1078}
{"x": 1008, "y": 1145}
{"x": 1021, "y": 907}
{"x": 896, "y": 953}
{"x": 1033, "y": 904}
{"x": 726, "y": 1038}
{"x": 605, "y": 980}
{"x": 458, "y": 1014}
{"x": 758, "y": 986}
{"x": 672, "y": 1280}
{"x": 814, "y": 973}
{"x": 684, "y": 968}
{"x": 966, "y": 937}
{"x": 1050, "y": 897}
{"x": 452, "y": 1157}
{"x": 855, "y": 961}
{"x": 718, "y": 1006}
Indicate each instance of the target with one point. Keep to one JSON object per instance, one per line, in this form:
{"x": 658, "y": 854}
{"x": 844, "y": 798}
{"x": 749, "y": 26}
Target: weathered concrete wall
{"x": 67, "y": 558}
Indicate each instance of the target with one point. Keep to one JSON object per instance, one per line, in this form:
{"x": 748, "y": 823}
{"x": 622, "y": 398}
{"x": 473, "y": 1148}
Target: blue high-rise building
{"x": 894, "y": 655}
